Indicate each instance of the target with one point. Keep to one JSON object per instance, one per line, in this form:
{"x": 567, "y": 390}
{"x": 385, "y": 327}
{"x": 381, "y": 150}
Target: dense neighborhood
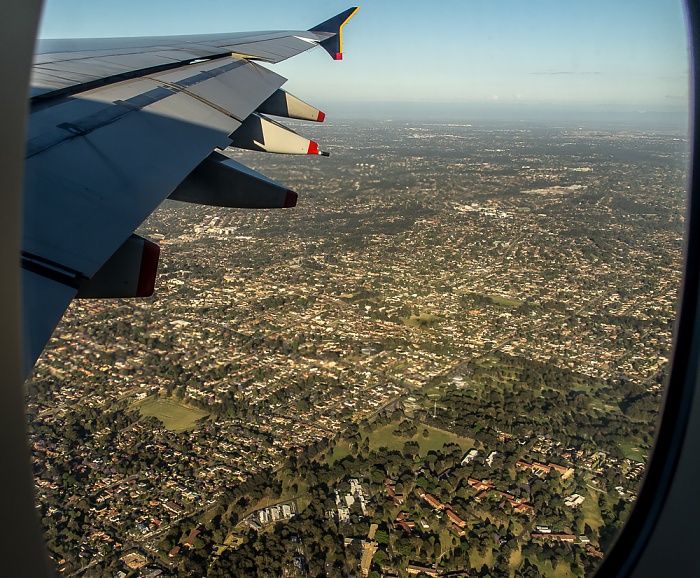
{"x": 448, "y": 358}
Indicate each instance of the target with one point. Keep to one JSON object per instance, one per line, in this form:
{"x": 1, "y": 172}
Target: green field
{"x": 383, "y": 437}
{"x": 505, "y": 301}
{"x": 635, "y": 451}
{"x": 488, "y": 362}
{"x": 516, "y": 559}
{"x": 288, "y": 480}
{"x": 591, "y": 510}
{"x": 562, "y": 570}
{"x": 476, "y": 561}
{"x": 422, "y": 321}
{"x": 340, "y": 450}
{"x": 600, "y": 406}
{"x": 175, "y": 415}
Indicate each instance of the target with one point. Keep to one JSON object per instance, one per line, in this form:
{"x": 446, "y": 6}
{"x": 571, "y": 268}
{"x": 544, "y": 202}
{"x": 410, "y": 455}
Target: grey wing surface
{"x": 118, "y": 125}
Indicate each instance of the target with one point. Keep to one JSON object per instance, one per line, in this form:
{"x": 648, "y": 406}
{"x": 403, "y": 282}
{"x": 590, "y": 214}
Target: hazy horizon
{"x": 594, "y": 118}
{"x": 629, "y": 56}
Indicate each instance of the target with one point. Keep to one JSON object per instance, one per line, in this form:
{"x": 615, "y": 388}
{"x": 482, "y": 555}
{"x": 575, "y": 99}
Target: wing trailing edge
{"x": 118, "y": 125}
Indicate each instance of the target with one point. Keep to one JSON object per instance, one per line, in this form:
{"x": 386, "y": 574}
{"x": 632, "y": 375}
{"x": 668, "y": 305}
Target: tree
{"x": 382, "y": 537}
{"x": 377, "y": 475}
{"x": 380, "y": 557}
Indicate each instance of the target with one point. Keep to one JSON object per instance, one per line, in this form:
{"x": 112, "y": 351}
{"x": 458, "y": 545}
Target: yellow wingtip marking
{"x": 340, "y": 28}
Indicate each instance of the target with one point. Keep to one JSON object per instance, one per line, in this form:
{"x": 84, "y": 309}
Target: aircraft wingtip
{"x": 334, "y": 44}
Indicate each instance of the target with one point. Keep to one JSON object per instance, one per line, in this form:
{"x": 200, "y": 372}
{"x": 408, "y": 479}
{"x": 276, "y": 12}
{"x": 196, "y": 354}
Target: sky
{"x": 606, "y": 56}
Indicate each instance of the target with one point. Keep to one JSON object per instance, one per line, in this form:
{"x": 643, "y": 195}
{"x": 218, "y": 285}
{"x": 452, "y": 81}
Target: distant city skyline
{"x": 501, "y": 57}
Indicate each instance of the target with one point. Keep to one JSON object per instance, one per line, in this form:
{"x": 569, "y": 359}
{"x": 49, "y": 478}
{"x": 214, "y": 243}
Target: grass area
{"x": 208, "y": 515}
{"x": 516, "y": 559}
{"x": 422, "y": 321}
{"x": 477, "y": 561}
{"x": 562, "y": 570}
{"x": 303, "y": 502}
{"x": 488, "y": 362}
{"x": 340, "y": 450}
{"x": 384, "y": 437}
{"x": 497, "y": 299}
{"x": 175, "y": 415}
{"x": 261, "y": 504}
{"x": 289, "y": 493}
{"x": 591, "y": 511}
{"x": 635, "y": 451}
{"x": 234, "y": 540}
{"x": 469, "y": 386}
{"x": 433, "y": 390}
{"x": 506, "y": 301}
{"x": 445, "y": 541}
{"x": 288, "y": 490}
{"x": 600, "y": 405}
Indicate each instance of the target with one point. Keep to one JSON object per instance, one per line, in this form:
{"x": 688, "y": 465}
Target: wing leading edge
{"x": 113, "y": 131}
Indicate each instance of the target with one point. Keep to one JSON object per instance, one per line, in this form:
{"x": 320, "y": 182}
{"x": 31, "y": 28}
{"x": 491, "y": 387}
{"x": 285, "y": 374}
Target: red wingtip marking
{"x": 338, "y": 56}
{"x": 313, "y": 148}
{"x": 290, "y": 200}
{"x": 321, "y": 116}
{"x": 149, "y": 268}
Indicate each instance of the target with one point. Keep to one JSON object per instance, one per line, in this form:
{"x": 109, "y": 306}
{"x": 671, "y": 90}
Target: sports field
{"x": 175, "y": 415}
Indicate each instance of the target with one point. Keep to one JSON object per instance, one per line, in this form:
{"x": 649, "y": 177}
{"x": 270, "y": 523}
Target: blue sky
{"x": 628, "y": 55}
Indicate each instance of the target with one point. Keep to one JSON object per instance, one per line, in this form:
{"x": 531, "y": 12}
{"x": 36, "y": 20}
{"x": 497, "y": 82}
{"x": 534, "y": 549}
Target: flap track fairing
{"x": 129, "y": 272}
{"x": 223, "y": 182}
{"x": 284, "y": 104}
{"x": 259, "y": 133}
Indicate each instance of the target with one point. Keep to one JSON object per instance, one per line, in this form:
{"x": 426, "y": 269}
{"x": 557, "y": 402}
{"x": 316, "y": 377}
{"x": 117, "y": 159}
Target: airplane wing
{"x": 118, "y": 125}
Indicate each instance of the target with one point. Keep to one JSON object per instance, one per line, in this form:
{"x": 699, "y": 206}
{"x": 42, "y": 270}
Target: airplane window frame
{"x": 676, "y": 439}
{"x": 678, "y": 434}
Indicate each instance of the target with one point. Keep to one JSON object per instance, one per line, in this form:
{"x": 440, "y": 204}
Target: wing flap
{"x": 93, "y": 164}
{"x": 234, "y": 87}
{"x": 115, "y": 126}
{"x": 101, "y": 163}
